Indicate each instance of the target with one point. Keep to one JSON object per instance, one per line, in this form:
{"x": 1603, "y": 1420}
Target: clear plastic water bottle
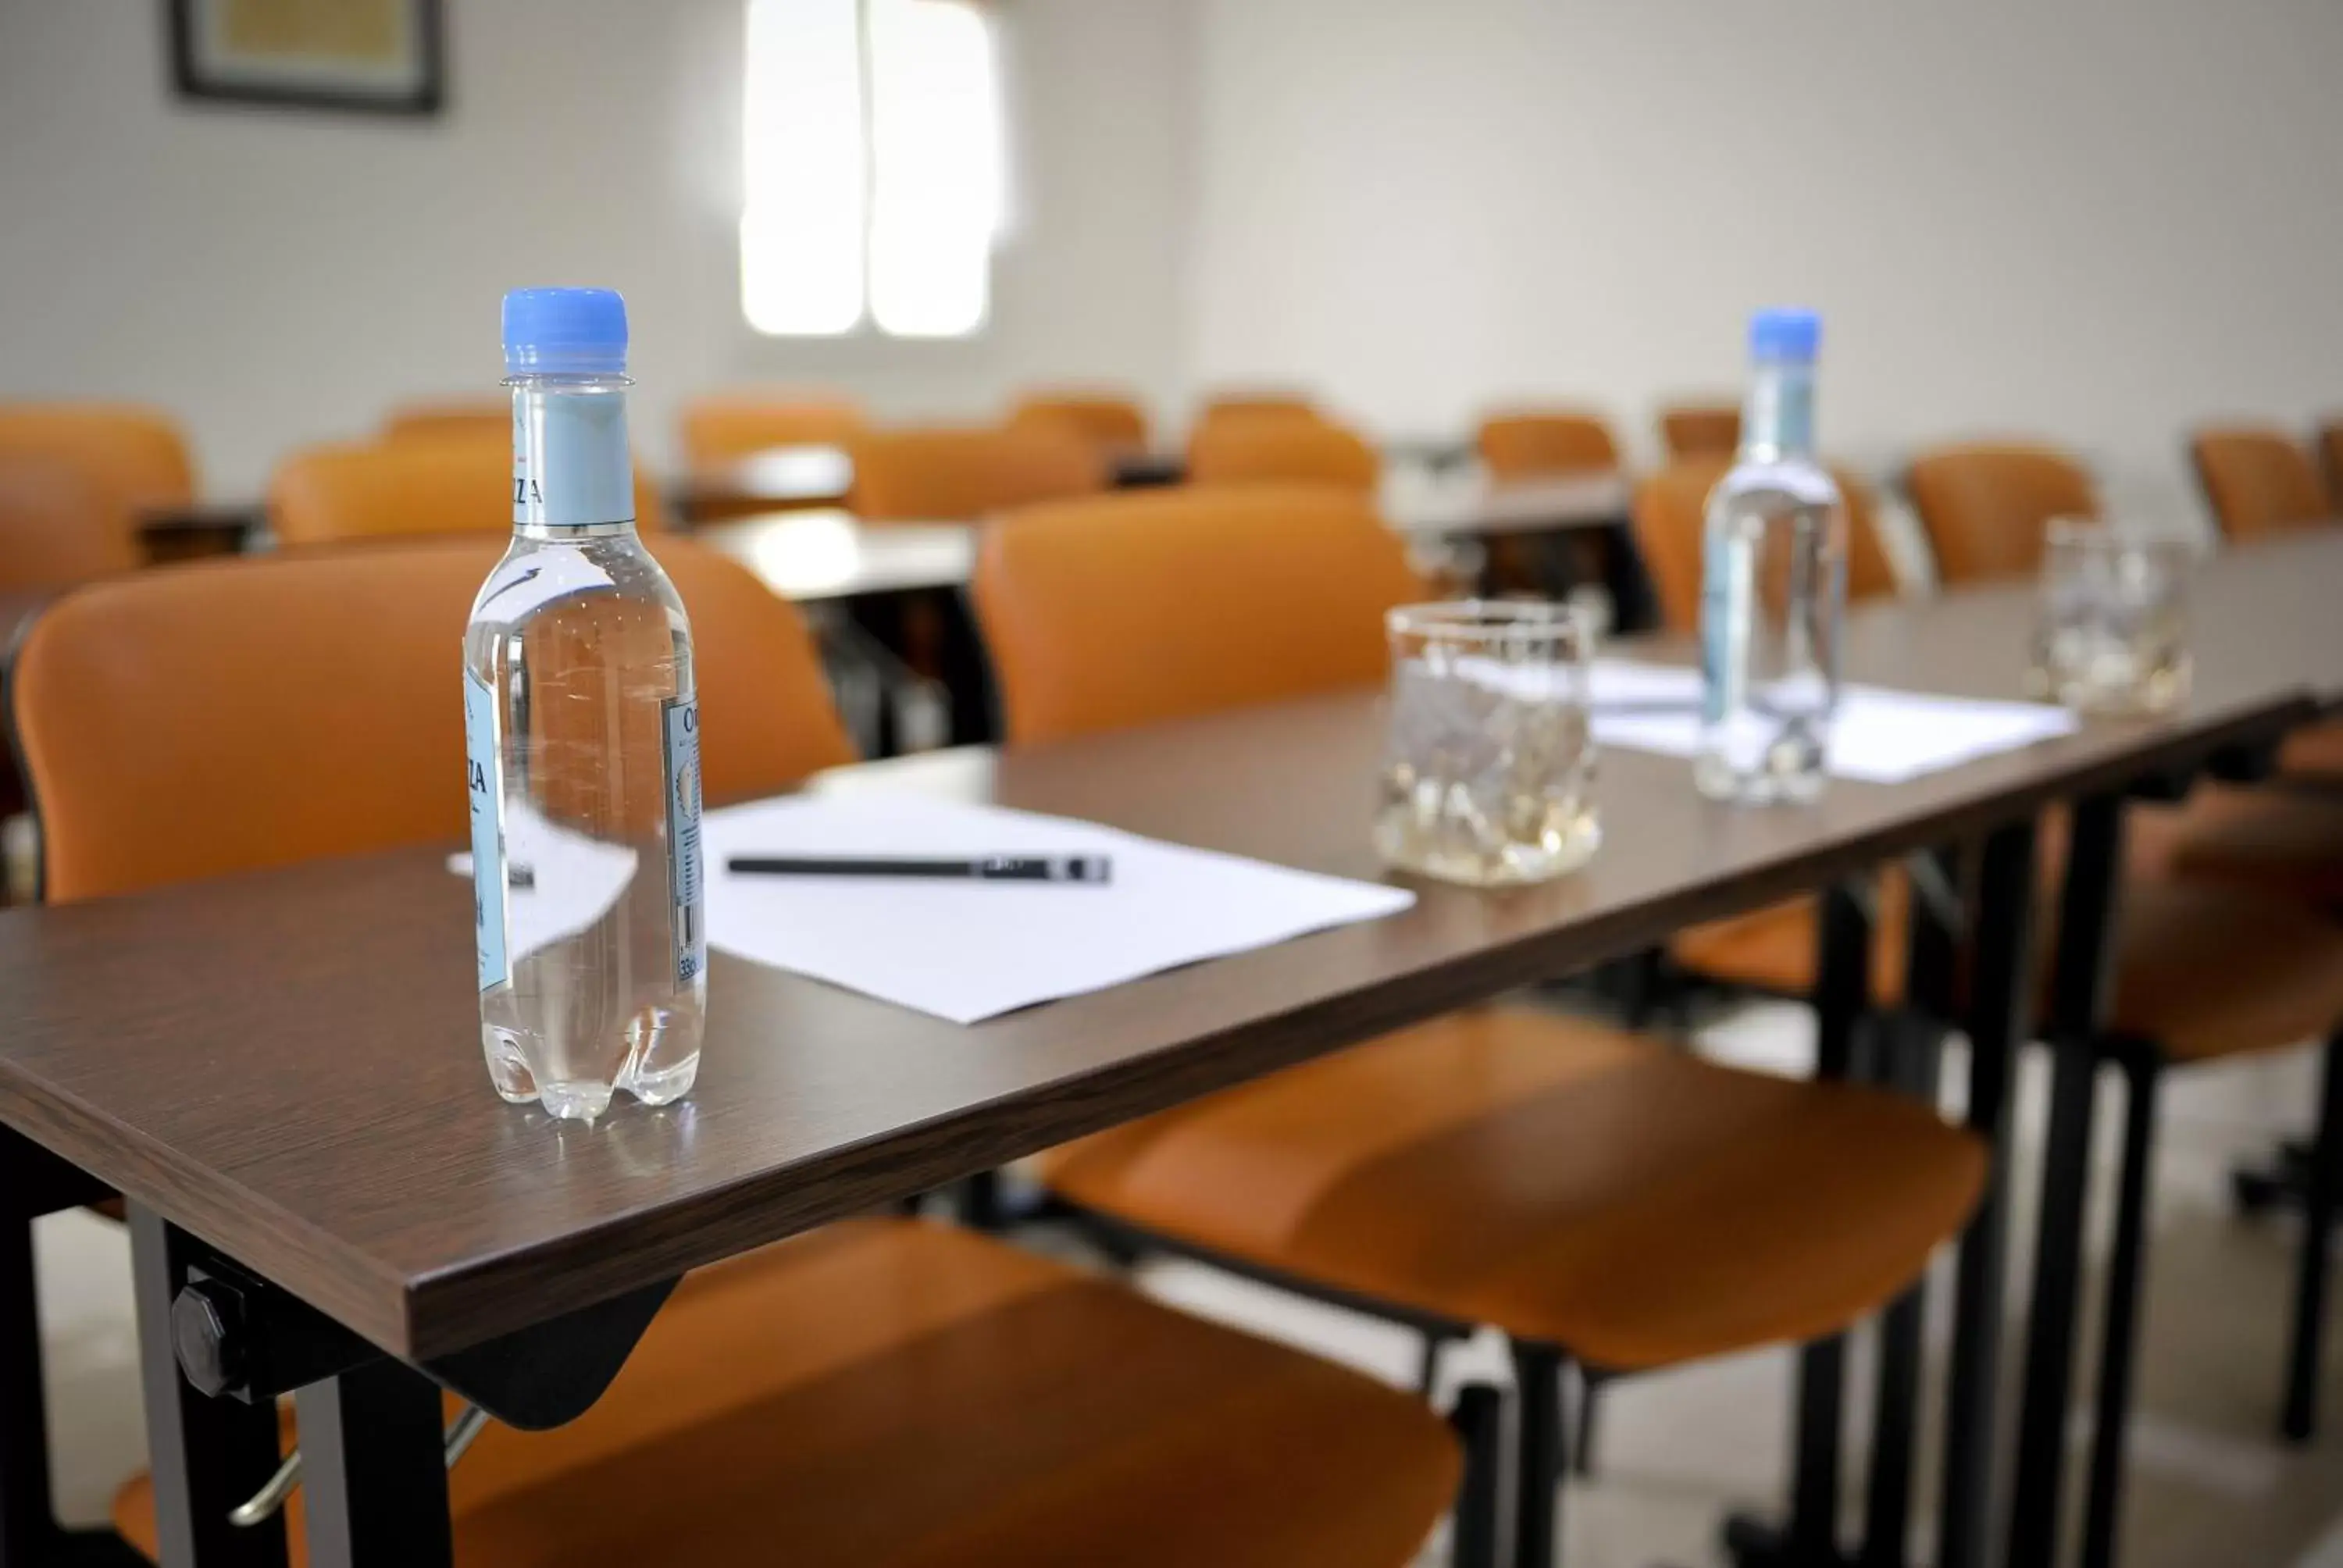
{"x": 582, "y": 729}
{"x": 1774, "y": 585}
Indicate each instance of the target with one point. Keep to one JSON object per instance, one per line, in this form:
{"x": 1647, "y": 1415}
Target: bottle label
{"x": 1780, "y": 416}
{"x": 571, "y": 467}
{"x": 683, "y": 850}
{"x": 487, "y": 834}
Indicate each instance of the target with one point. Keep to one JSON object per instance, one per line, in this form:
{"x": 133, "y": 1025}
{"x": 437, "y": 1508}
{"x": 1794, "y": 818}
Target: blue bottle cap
{"x": 565, "y": 331}
{"x": 1786, "y": 333}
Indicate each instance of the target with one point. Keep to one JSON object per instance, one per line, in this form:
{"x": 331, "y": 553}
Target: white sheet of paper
{"x": 972, "y": 951}
{"x": 1880, "y": 737}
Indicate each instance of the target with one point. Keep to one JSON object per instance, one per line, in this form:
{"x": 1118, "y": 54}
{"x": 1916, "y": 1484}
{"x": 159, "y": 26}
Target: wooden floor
{"x": 1677, "y": 1450}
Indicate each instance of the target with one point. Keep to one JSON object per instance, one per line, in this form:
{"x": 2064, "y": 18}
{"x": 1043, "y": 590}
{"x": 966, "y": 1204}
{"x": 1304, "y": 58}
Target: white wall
{"x": 277, "y": 278}
{"x": 2097, "y": 222}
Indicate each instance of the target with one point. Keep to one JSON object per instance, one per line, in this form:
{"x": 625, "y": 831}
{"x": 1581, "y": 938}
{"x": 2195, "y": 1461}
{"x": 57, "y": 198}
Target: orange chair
{"x": 232, "y": 629}
{"x": 418, "y": 485}
{"x": 1544, "y": 445}
{"x": 1700, "y": 429}
{"x": 1261, "y": 405}
{"x": 1115, "y": 425}
{"x": 884, "y": 1392}
{"x": 2331, "y": 456}
{"x": 1281, "y": 449}
{"x": 1569, "y": 1183}
{"x": 1985, "y": 507}
{"x": 1058, "y": 585}
{"x": 2260, "y": 482}
{"x": 963, "y": 472}
{"x": 135, "y": 453}
{"x": 485, "y": 418}
{"x": 722, "y": 429}
{"x": 57, "y": 524}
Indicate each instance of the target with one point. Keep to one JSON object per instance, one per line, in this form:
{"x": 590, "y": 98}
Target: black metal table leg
{"x": 2120, "y": 1335}
{"x": 2080, "y": 979}
{"x": 208, "y": 1455}
{"x": 2322, "y": 1186}
{"x": 2000, "y": 1006}
{"x": 1538, "y": 1478}
{"x": 372, "y": 1464}
{"x": 26, "y": 1522}
{"x": 1810, "y": 1539}
{"x": 1911, "y": 1065}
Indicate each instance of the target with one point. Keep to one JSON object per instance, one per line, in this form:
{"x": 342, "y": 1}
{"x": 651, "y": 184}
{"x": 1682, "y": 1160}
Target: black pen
{"x": 1090, "y": 868}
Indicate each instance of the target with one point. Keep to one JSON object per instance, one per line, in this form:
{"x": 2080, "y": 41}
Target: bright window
{"x": 874, "y": 158}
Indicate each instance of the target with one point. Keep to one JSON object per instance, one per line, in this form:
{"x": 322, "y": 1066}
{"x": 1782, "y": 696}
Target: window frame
{"x": 867, "y": 328}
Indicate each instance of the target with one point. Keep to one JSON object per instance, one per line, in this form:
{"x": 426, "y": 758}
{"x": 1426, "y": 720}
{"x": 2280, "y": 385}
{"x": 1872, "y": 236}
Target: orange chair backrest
{"x": 135, "y": 453}
{"x": 2258, "y": 482}
{"x": 1256, "y": 406}
{"x": 723, "y": 429}
{"x": 485, "y": 418}
{"x": 57, "y": 524}
{"x": 1671, "y": 511}
{"x": 1541, "y": 445}
{"x": 1700, "y": 429}
{"x": 1986, "y": 507}
{"x": 1150, "y": 605}
{"x": 960, "y": 472}
{"x": 2330, "y": 455}
{"x": 1282, "y": 450}
{"x": 407, "y": 489}
{"x": 1111, "y": 424}
{"x": 155, "y": 710}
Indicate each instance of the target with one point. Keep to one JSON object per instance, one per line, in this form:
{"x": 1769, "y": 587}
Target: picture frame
{"x": 365, "y": 56}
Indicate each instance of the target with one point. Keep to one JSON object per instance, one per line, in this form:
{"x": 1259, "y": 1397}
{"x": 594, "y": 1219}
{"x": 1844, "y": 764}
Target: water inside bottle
{"x": 585, "y": 657}
{"x": 1770, "y": 629}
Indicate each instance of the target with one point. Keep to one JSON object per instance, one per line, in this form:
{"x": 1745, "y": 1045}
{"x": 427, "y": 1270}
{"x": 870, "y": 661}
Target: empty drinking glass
{"x": 2112, "y": 632}
{"x": 1487, "y": 772}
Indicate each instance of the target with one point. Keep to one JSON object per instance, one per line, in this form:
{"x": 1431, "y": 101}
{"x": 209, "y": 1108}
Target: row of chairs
{"x": 897, "y": 1392}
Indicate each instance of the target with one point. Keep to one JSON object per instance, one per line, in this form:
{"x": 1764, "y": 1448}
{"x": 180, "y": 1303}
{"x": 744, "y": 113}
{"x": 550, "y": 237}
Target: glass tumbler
{"x": 1488, "y": 769}
{"x": 2112, "y": 630}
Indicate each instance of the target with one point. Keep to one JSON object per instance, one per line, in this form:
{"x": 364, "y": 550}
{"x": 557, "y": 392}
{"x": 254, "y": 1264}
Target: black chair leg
{"x": 1427, "y": 1365}
{"x": 2325, "y": 1175}
{"x": 2103, "y": 1505}
{"x": 1537, "y": 1478}
{"x": 1478, "y": 1419}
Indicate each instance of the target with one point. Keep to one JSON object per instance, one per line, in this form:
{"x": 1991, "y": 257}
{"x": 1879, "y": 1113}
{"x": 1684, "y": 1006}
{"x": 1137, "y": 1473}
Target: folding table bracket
{"x": 236, "y": 1336}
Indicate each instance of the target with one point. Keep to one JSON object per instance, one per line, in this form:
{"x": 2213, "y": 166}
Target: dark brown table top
{"x": 288, "y": 1063}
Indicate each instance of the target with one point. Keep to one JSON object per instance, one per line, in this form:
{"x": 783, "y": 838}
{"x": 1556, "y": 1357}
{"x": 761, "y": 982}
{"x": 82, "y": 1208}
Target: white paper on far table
{"x": 1880, "y": 736}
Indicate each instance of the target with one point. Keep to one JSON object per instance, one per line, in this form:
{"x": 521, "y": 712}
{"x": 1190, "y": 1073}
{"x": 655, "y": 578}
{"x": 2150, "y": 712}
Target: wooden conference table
{"x": 281, "y": 1070}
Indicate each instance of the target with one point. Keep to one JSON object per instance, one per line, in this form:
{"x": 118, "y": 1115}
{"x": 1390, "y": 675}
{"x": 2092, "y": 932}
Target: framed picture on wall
{"x": 376, "y": 57}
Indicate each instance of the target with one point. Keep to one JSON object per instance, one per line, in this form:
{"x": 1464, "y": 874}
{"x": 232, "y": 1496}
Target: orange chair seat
{"x": 2210, "y": 972}
{"x": 1565, "y": 1181}
{"x": 2203, "y": 970}
{"x": 893, "y": 1394}
{"x": 2289, "y": 844}
{"x": 2316, "y": 753}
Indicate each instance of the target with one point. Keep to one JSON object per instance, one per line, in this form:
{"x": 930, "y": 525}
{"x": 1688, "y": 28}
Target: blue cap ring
{"x": 1785, "y": 333}
{"x": 565, "y": 331}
